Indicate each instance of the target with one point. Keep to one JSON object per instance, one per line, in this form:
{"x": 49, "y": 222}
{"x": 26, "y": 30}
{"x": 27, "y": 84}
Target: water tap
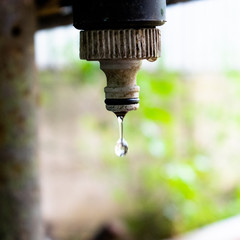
{"x": 120, "y": 34}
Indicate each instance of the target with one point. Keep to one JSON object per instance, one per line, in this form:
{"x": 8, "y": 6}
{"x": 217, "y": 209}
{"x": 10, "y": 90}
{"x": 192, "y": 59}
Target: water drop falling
{"x": 121, "y": 147}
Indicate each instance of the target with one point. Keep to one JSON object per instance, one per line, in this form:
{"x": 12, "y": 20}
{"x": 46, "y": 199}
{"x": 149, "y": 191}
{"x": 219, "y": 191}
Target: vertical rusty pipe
{"x": 19, "y": 193}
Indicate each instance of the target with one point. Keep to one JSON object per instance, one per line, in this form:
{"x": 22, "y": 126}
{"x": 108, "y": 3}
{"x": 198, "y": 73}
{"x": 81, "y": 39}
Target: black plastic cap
{"x": 117, "y": 14}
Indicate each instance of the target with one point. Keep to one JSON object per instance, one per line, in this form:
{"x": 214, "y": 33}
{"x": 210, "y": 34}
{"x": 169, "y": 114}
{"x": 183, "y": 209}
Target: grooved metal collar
{"x": 120, "y": 44}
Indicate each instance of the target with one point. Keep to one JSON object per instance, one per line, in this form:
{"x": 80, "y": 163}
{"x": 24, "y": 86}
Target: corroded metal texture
{"x": 19, "y": 193}
{"x": 120, "y": 44}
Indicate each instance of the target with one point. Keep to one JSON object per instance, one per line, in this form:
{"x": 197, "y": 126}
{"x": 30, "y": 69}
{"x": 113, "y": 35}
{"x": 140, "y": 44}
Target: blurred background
{"x": 182, "y": 169}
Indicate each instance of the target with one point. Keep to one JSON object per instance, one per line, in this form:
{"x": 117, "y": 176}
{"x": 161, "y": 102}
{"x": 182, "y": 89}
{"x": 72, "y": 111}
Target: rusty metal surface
{"x": 19, "y": 195}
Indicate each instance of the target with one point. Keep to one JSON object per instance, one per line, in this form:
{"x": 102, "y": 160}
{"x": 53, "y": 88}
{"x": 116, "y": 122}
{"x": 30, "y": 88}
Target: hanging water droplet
{"x": 121, "y": 147}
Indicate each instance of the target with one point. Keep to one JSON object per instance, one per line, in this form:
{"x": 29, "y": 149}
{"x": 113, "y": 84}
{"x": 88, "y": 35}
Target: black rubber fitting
{"x": 110, "y": 14}
{"x": 122, "y": 101}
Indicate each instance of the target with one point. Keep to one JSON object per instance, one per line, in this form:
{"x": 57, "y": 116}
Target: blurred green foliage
{"x": 177, "y": 188}
{"x": 170, "y": 183}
